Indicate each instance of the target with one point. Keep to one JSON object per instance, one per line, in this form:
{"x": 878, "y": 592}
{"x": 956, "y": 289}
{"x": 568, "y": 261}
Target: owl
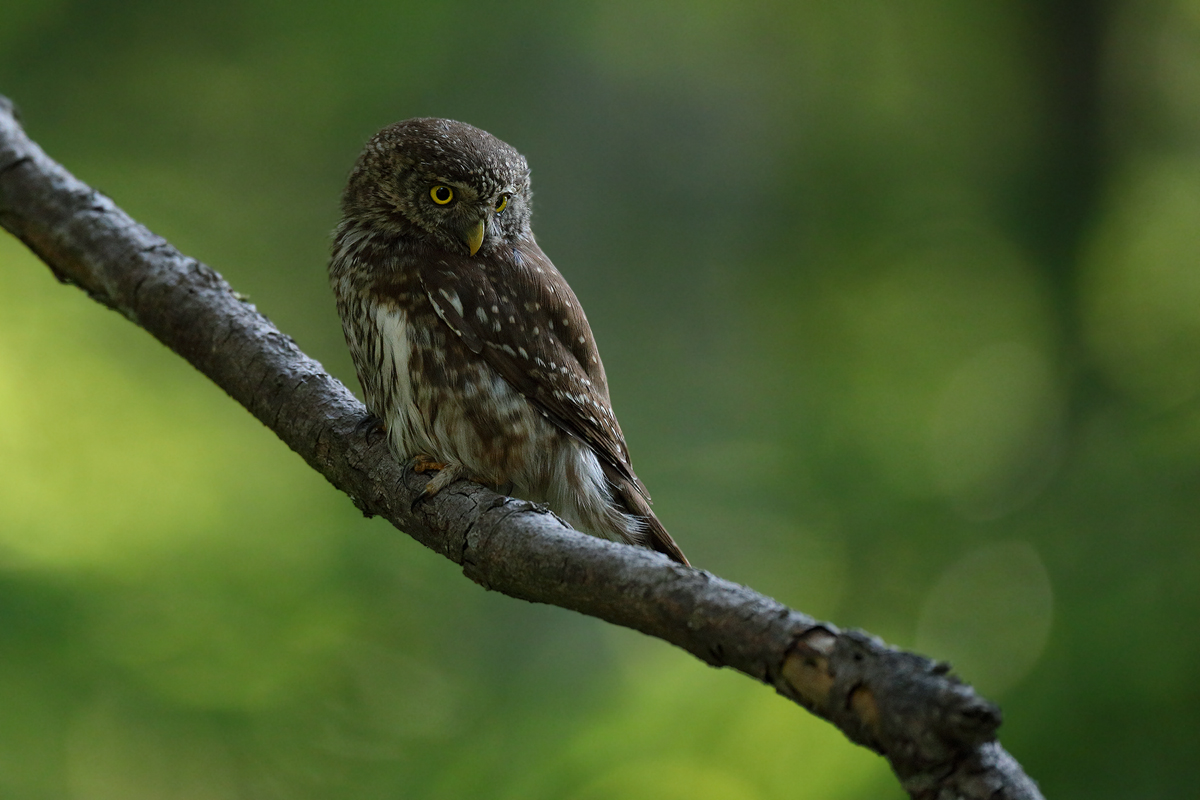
{"x": 472, "y": 350}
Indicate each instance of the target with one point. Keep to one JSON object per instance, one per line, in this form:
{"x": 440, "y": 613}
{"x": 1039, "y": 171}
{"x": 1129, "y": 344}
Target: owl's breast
{"x": 439, "y": 398}
{"x": 388, "y": 386}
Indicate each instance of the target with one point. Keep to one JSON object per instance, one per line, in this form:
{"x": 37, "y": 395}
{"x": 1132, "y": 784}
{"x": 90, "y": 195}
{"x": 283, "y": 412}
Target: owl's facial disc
{"x": 455, "y": 208}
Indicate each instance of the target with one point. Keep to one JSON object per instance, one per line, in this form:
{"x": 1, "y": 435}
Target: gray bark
{"x": 936, "y": 732}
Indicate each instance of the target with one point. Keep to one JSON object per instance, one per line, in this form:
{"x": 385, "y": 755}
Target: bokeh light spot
{"x": 994, "y": 430}
{"x": 1142, "y": 298}
{"x": 989, "y": 615}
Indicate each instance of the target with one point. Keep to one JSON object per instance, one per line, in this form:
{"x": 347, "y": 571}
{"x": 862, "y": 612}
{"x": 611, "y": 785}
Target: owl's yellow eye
{"x": 502, "y": 203}
{"x": 441, "y": 194}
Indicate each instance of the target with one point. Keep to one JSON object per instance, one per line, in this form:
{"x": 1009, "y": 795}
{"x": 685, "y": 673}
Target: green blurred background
{"x": 900, "y": 304}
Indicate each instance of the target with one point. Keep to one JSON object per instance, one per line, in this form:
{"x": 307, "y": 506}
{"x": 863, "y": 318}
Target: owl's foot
{"x": 447, "y": 473}
{"x": 424, "y": 463}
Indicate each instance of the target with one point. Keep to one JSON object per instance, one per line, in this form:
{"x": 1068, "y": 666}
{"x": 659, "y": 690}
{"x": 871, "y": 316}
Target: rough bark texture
{"x": 938, "y": 735}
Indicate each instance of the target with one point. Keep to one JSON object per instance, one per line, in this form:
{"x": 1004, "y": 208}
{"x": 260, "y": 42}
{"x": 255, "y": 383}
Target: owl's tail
{"x": 655, "y": 536}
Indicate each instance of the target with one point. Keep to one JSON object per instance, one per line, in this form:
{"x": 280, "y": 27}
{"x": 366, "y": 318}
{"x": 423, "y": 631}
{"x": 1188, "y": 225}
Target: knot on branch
{"x": 902, "y": 705}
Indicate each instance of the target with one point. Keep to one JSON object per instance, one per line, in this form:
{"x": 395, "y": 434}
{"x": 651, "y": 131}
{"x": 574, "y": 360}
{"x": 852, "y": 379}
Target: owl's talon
{"x": 370, "y": 426}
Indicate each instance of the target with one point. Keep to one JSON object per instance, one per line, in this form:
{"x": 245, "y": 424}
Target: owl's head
{"x": 442, "y": 183}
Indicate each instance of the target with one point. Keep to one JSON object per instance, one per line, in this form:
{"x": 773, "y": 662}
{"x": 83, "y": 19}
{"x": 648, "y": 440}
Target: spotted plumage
{"x": 469, "y": 345}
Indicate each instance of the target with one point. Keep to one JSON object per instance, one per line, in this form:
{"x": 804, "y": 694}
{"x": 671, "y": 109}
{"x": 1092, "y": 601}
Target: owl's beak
{"x": 474, "y": 235}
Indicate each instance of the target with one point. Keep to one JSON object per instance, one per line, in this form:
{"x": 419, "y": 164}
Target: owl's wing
{"x": 516, "y": 311}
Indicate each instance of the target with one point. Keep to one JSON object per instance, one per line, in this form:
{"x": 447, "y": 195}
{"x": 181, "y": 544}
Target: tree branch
{"x": 938, "y": 735}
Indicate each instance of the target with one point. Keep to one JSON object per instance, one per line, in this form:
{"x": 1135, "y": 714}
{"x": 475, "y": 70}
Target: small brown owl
{"x": 470, "y": 347}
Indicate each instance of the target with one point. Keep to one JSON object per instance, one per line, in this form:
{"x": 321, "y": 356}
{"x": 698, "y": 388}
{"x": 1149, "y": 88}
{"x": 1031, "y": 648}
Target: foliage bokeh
{"x": 900, "y": 305}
